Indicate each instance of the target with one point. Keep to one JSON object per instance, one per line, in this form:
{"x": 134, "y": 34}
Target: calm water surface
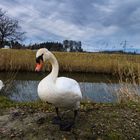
{"x": 95, "y": 87}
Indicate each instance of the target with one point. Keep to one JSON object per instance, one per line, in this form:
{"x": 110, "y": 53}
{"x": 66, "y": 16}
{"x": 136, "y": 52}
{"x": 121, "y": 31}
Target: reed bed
{"x": 128, "y": 93}
{"x": 129, "y": 90}
{"x": 24, "y": 60}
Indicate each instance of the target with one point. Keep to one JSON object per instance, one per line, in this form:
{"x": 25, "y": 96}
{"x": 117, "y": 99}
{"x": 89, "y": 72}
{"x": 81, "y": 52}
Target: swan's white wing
{"x": 68, "y": 86}
{"x": 68, "y": 92}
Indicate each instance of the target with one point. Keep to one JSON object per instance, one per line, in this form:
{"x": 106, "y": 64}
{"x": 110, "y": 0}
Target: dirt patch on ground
{"x": 94, "y": 121}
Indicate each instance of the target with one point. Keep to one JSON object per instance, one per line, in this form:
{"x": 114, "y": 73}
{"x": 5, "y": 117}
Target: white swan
{"x": 60, "y": 91}
{"x": 1, "y": 85}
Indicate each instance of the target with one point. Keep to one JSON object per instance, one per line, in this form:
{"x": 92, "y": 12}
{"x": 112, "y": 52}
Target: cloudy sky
{"x": 99, "y": 24}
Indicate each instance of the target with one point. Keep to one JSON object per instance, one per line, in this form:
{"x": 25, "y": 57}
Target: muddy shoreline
{"x": 94, "y": 121}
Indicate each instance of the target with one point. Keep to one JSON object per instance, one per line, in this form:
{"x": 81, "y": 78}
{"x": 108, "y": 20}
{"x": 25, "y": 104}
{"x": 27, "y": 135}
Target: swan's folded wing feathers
{"x": 68, "y": 86}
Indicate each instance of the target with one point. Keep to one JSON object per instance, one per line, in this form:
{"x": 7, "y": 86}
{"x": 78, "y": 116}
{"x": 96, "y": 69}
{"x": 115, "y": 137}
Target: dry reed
{"x": 24, "y": 60}
{"x": 129, "y": 86}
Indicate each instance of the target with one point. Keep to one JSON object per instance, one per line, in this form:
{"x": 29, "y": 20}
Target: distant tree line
{"x": 67, "y": 46}
{"x": 52, "y": 46}
{"x": 72, "y": 46}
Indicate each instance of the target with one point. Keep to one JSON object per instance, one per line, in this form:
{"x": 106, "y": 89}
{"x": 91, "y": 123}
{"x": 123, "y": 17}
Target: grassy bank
{"x": 24, "y": 60}
{"x": 95, "y": 121}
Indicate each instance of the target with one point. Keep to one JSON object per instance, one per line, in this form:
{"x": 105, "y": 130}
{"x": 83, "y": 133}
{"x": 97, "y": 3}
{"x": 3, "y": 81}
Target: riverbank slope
{"x": 94, "y": 121}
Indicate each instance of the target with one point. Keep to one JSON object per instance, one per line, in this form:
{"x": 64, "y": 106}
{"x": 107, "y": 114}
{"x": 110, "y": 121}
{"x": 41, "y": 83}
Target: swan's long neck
{"x": 55, "y": 67}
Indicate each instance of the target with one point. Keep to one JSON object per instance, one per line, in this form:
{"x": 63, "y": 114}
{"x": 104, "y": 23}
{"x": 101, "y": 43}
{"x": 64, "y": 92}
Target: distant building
{"x": 6, "y": 47}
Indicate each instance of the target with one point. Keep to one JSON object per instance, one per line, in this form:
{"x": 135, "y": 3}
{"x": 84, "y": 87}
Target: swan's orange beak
{"x": 39, "y": 66}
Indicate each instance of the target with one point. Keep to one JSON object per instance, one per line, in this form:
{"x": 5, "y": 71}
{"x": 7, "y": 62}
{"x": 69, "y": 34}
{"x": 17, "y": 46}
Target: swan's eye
{"x": 39, "y": 58}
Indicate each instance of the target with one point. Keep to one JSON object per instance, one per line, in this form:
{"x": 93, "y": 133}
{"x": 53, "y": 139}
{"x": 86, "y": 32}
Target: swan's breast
{"x": 45, "y": 91}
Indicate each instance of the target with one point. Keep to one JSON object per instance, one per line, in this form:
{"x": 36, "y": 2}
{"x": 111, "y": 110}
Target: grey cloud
{"x": 89, "y": 20}
{"x": 125, "y": 15}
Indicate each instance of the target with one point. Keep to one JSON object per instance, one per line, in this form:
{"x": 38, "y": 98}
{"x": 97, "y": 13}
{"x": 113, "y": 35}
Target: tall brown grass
{"x": 24, "y": 60}
{"x": 12, "y": 60}
{"x": 129, "y": 81}
{"x": 128, "y": 93}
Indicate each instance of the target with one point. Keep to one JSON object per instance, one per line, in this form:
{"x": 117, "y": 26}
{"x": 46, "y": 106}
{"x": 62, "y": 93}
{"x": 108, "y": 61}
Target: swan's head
{"x": 42, "y": 55}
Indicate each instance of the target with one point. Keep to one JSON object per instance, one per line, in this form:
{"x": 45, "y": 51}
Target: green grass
{"x": 5, "y": 102}
{"x": 24, "y": 60}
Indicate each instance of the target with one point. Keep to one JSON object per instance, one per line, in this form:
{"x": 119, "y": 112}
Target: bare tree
{"x": 9, "y": 29}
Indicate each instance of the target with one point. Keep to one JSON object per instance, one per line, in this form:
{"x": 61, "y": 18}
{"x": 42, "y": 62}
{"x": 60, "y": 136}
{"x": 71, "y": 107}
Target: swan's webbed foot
{"x": 56, "y": 120}
{"x": 66, "y": 126}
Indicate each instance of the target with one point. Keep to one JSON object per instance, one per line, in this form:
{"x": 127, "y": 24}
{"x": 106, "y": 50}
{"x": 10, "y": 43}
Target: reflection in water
{"x": 98, "y": 92}
{"x": 95, "y": 87}
{"x": 24, "y": 90}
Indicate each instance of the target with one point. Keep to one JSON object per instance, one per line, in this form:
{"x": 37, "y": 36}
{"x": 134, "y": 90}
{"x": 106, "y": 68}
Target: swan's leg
{"x": 57, "y": 119}
{"x": 66, "y": 126}
{"x": 57, "y": 111}
{"x": 75, "y": 115}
